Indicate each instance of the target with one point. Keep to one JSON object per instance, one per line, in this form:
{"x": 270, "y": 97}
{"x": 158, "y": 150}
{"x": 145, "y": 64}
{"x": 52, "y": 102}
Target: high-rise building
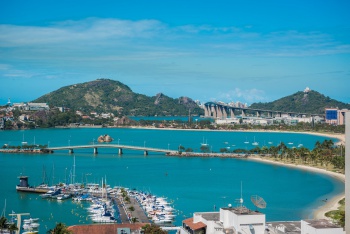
{"x": 335, "y": 116}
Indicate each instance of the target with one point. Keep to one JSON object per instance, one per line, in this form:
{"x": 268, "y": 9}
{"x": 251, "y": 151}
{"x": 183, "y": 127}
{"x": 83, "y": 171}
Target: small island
{"x": 105, "y": 138}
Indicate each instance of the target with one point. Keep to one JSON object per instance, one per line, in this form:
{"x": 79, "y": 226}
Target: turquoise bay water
{"x": 193, "y": 184}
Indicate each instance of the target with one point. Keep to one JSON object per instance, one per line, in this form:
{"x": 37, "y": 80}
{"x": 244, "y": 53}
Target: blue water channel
{"x": 192, "y": 184}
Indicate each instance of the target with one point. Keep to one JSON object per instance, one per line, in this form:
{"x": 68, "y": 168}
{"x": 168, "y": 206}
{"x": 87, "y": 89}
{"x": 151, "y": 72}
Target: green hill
{"x": 105, "y": 95}
{"x": 311, "y": 102}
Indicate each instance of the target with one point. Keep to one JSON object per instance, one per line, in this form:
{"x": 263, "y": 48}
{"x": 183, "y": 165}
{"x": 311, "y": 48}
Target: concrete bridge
{"x": 120, "y": 148}
{"x": 223, "y": 111}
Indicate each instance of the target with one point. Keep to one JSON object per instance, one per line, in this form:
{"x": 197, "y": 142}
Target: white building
{"x": 228, "y": 220}
{"x": 31, "y": 106}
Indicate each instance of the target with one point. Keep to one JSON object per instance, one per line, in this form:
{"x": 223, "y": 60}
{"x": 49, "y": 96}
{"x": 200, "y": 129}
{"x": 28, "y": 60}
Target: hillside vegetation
{"x": 105, "y": 95}
{"x": 311, "y": 102}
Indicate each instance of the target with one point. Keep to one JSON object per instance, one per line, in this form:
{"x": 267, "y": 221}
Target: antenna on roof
{"x": 240, "y": 200}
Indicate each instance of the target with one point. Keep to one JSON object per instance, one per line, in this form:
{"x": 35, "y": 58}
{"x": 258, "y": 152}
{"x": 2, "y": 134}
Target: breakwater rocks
{"x": 25, "y": 151}
{"x": 209, "y": 155}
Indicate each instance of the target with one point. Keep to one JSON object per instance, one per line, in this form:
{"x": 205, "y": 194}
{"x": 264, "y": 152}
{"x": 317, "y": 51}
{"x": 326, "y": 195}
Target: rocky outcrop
{"x": 188, "y": 102}
{"x": 158, "y": 98}
{"x": 104, "y": 138}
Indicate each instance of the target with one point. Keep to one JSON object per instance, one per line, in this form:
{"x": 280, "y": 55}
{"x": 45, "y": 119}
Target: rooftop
{"x": 242, "y": 211}
{"x": 293, "y": 227}
{"x": 194, "y": 226}
{"x": 210, "y": 216}
{"x": 103, "y": 228}
{"x": 321, "y": 223}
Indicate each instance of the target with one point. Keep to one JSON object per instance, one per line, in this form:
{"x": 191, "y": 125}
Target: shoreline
{"x": 339, "y": 136}
{"x": 331, "y": 204}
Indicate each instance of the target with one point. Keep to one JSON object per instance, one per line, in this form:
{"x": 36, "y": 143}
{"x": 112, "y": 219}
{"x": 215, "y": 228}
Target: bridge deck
{"x": 115, "y": 146}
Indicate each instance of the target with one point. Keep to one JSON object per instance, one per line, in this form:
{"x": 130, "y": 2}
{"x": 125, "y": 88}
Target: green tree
{"x": 12, "y": 228}
{"x": 153, "y": 229}
{"x": 181, "y": 148}
{"x": 134, "y": 220}
{"x": 223, "y": 150}
{"x": 3, "y": 223}
{"x": 189, "y": 150}
{"x": 60, "y": 228}
{"x": 205, "y": 149}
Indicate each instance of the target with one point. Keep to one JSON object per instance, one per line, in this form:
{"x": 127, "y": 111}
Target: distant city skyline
{"x": 247, "y": 51}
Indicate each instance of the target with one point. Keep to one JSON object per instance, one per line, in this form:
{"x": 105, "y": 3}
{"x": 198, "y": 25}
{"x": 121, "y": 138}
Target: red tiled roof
{"x": 194, "y": 226}
{"x": 103, "y": 228}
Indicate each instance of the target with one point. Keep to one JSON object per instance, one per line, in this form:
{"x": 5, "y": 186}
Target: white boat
{"x": 255, "y": 143}
{"x": 246, "y": 141}
{"x": 290, "y": 143}
{"x": 162, "y": 221}
{"x": 300, "y": 145}
{"x": 31, "y": 220}
{"x": 31, "y": 225}
{"x": 204, "y": 144}
{"x": 63, "y": 196}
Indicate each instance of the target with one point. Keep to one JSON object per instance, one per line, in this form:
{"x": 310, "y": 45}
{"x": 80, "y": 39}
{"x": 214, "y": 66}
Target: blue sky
{"x": 248, "y": 51}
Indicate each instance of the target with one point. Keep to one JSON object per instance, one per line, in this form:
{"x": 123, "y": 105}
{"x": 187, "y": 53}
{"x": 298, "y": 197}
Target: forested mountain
{"x": 311, "y": 102}
{"x": 105, "y": 95}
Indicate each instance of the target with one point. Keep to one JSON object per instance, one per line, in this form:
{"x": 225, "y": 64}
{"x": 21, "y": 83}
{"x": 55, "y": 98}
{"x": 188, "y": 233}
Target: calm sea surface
{"x": 193, "y": 184}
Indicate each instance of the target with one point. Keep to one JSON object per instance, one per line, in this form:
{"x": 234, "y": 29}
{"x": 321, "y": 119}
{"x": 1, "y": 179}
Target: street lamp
{"x": 118, "y": 141}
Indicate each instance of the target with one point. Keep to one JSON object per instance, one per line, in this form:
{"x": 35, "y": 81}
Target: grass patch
{"x": 338, "y": 216}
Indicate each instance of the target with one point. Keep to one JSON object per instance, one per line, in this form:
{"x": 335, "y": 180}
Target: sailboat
{"x": 204, "y": 144}
{"x": 246, "y": 141}
{"x": 255, "y": 143}
{"x": 24, "y": 142}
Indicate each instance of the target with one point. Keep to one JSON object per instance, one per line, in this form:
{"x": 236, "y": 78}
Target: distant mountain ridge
{"x": 105, "y": 95}
{"x": 311, "y": 102}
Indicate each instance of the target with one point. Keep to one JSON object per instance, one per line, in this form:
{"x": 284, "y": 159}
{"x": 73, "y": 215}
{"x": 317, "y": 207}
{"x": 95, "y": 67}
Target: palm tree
{"x": 3, "y": 223}
{"x": 60, "y": 228}
{"x": 274, "y": 151}
{"x": 153, "y": 229}
{"x": 318, "y": 145}
{"x": 304, "y": 152}
{"x": 327, "y": 144}
{"x": 12, "y": 228}
{"x": 134, "y": 220}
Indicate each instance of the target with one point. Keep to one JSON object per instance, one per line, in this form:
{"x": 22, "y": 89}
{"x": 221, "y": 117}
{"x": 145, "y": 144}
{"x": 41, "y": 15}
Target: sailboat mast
{"x": 74, "y": 171}
{"x": 3, "y": 214}
{"x": 53, "y": 174}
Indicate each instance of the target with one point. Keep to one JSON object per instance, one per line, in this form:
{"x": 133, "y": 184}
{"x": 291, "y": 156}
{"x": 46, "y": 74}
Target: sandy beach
{"x": 340, "y": 137}
{"x": 331, "y": 204}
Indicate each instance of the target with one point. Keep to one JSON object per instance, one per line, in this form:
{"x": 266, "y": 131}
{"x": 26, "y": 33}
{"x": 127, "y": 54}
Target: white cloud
{"x": 150, "y": 35}
{"x": 248, "y": 95}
